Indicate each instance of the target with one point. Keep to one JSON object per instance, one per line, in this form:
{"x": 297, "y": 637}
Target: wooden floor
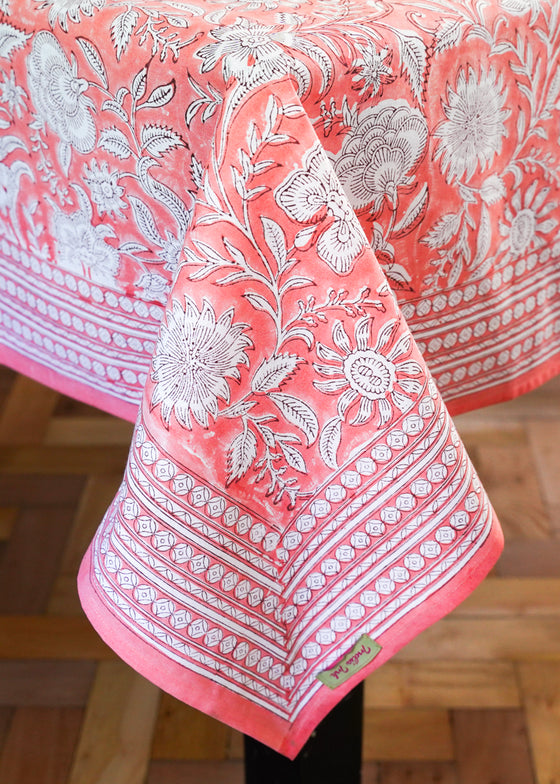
{"x": 474, "y": 700}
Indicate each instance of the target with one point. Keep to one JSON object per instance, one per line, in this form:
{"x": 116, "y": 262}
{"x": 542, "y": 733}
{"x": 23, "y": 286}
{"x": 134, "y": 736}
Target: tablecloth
{"x": 278, "y": 235}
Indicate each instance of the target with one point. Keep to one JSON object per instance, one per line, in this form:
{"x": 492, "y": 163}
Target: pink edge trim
{"x": 237, "y": 712}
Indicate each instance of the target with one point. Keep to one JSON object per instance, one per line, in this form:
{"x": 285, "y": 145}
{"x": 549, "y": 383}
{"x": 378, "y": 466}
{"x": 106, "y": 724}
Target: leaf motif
{"x": 260, "y": 303}
{"x": 329, "y": 442}
{"x": 64, "y": 155}
{"x": 298, "y": 413}
{"x": 414, "y": 214}
{"x": 11, "y": 38}
{"x": 139, "y": 84}
{"x": 448, "y": 36}
{"x": 296, "y": 283}
{"x": 8, "y": 144}
{"x": 112, "y": 106}
{"x": 241, "y": 454}
{"x": 160, "y": 96}
{"x": 274, "y": 371}
{"x": 114, "y": 141}
{"x": 158, "y": 139}
{"x": 414, "y": 60}
{"x": 93, "y": 57}
{"x": 443, "y": 231}
{"x": 294, "y": 458}
{"x": 484, "y": 238}
{"x": 253, "y": 138}
{"x": 145, "y": 220}
{"x": 173, "y": 203}
{"x": 238, "y": 409}
{"x": 300, "y": 333}
{"x": 275, "y": 239}
{"x": 122, "y": 27}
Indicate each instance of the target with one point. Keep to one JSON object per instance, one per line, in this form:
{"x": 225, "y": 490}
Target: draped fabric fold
{"x": 287, "y": 232}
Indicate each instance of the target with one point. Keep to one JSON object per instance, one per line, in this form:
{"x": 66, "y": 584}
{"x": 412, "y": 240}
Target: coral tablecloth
{"x": 209, "y": 212}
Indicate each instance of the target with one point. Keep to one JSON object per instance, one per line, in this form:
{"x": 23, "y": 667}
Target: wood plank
{"x": 172, "y": 772}
{"x": 443, "y": 684}
{"x": 8, "y": 517}
{"x": 98, "y": 494}
{"x": 509, "y": 476}
{"x": 416, "y": 773}
{"x": 544, "y": 439}
{"x": 183, "y": 733}
{"x": 481, "y": 638}
{"x": 31, "y": 558}
{"x": 50, "y": 637}
{"x": 40, "y": 489}
{"x": 63, "y": 460}
{"x": 117, "y": 731}
{"x": 6, "y": 714}
{"x": 530, "y": 558}
{"x": 54, "y": 683}
{"x": 492, "y": 747}
{"x": 541, "y": 689}
{"x": 25, "y": 414}
{"x": 40, "y": 745}
{"x": 512, "y": 596}
{"x": 417, "y": 734}
{"x": 88, "y": 431}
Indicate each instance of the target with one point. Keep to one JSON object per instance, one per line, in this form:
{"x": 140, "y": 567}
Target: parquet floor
{"x": 474, "y": 700}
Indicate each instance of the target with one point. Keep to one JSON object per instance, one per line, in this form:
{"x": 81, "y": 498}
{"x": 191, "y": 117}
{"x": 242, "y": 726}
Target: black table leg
{"x": 332, "y": 755}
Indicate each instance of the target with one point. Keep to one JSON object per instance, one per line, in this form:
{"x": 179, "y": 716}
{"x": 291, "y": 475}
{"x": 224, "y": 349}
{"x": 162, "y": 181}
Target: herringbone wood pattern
{"x": 474, "y": 700}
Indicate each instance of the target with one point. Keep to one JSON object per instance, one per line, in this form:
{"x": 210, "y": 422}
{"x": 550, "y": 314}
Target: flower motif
{"x": 373, "y": 69}
{"x": 312, "y": 195}
{"x": 12, "y": 94}
{"x": 493, "y": 189}
{"x": 472, "y": 134}
{"x": 249, "y": 51}
{"x": 370, "y": 377}
{"x": 154, "y": 286}
{"x": 528, "y": 221}
{"x": 105, "y": 191}
{"x": 58, "y": 93}
{"x": 195, "y": 354}
{"x": 61, "y": 10}
{"x": 379, "y": 154}
{"x": 81, "y": 247}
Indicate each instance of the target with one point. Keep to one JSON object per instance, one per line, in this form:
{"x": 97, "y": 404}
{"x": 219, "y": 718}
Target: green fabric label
{"x": 363, "y": 652}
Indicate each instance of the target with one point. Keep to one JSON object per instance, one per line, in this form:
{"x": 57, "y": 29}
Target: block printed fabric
{"x": 279, "y": 235}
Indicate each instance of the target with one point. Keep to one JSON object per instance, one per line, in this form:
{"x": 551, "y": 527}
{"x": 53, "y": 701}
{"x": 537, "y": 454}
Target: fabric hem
{"x": 285, "y": 737}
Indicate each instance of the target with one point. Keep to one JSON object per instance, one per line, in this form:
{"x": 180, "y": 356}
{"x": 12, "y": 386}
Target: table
{"x": 278, "y": 236}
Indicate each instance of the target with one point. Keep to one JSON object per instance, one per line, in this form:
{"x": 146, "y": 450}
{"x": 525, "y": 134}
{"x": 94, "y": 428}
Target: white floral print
{"x": 12, "y": 94}
{"x": 105, "y": 191}
{"x": 249, "y": 51}
{"x": 369, "y": 377}
{"x": 62, "y": 10}
{"x": 314, "y": 193}
{"x": 527, "y": 221}
{"x": 519, "y": 7}
{"x": 379, "y": 154}
{"x": 82, "y": 247}
{"x": 373, "y": 69}
{"x": 195, "y": 354}
{"x": 58, "y": 93}
{"x": 471, "y": 136}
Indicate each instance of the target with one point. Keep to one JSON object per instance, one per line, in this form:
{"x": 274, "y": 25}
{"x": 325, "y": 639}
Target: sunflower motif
{"x": 249, "y": 51}
{"x": 369, "y": 377}
{"x": 471, "y": 136}
{"x": 527, "y": 221}
{"x": 195, "y": 354}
